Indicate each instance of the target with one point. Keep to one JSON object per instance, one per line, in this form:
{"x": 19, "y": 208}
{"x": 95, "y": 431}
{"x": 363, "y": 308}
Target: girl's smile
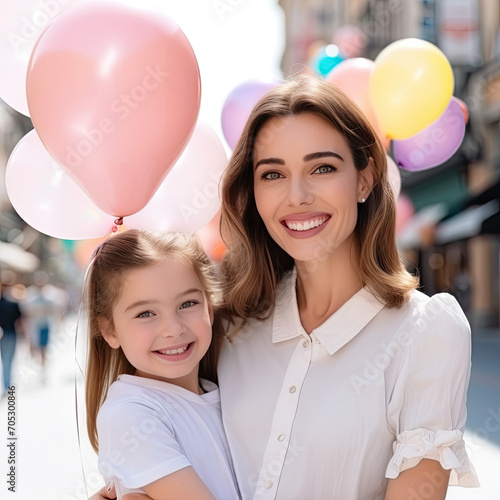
{"x": 162, "y": 322}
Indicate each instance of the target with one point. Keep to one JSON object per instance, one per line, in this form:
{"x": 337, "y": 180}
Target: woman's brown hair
{"x": 254, "y": 263}
{"x": 129, "y": 250}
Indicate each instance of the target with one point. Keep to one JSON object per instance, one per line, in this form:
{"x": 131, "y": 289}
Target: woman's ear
{"x": 108, "y": 332}
{"x": 365, "y": 181}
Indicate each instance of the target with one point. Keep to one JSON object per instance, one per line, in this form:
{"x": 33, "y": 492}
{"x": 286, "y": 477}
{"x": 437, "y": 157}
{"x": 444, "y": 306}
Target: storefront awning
{"x": 468, "y": 223}
{"x": 479, "y": 215}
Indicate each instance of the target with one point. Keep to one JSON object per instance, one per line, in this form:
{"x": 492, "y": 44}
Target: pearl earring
{"x": 363, "y": 200}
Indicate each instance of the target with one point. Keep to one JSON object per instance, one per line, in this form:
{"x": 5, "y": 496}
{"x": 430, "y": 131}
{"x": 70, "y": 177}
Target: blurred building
{"x": 453, "y": 238}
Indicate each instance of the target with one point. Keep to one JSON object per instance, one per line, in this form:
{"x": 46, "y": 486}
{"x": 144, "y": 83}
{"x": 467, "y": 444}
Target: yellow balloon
{"x": 411, "y": 85}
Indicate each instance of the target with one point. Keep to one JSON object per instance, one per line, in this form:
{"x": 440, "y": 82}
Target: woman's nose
{"x": 298, "y": 193}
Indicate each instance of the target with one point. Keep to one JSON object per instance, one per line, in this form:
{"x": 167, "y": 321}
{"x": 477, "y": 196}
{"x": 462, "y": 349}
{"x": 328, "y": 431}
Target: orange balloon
{"x": 211, "y": 239}
{"x": 464, "y": 108}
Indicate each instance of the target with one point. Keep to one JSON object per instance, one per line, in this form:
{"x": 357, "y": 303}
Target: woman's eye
{"x": 325, "y": 169}
{"x": 189, "y": 303}
{"x": 145, "y": 314}
{"x": 270, "y": 176}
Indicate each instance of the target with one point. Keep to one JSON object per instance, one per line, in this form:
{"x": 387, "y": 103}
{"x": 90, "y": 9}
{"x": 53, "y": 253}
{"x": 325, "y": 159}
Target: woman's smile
{"x": 306, "y": 186}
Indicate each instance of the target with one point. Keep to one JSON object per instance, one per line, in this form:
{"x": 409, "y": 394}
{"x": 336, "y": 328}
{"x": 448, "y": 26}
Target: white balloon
{"x": 394, "y": 175}
{"x": 47, "y": 198}
{"x": 21, "y": 24}
{"x": 189, "y": 196}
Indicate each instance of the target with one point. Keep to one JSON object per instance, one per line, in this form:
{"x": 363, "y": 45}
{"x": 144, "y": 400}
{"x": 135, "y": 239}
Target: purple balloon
{"x": 239, "y": 105}
{"x": 435, "y": 143}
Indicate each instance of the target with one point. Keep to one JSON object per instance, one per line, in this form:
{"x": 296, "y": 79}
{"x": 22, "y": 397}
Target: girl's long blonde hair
{"x": 129, "y": 250}
{"x": 254, "y": 263}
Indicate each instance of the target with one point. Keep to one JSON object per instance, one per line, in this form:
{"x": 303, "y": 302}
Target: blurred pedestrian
{"x": 43, "y": 307}
{"x": 10, "y": 317}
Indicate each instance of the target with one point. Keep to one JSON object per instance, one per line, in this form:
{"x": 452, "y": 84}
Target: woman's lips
{"x": 301, "y": 231}
{"x": 305, "y": 225}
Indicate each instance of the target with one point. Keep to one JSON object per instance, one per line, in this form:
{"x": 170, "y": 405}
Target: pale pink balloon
{"x": 352, "y": 76}
{"x": 189, "y": 196}
{"x": 404, "y": 212}
{"x": 47, "y": 198}
{"x": 114, "y": 93}
{"x": 394, "y": 175}
{"x": 238, "y": 106}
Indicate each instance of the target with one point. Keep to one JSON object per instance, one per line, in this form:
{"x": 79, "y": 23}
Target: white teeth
{"x": 174, "y": 351}
{"x": 304, "y": 226}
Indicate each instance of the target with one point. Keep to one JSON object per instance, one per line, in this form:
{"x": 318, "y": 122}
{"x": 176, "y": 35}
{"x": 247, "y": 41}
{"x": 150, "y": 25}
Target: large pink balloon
{"x": 114, "y": 93}
{"x": 47, "y": 198}
{"x": 238, "y": 106}
{"x": 189, "y": 197}
{"x": 352, "y": 76}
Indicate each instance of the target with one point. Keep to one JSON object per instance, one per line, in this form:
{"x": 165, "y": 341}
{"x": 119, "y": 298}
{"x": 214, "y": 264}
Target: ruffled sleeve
{"x": 427, "y": 411}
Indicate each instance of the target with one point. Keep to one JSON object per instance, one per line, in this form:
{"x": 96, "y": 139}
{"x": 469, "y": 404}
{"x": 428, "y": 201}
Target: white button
{"x": 305, "y": 343}
{"x": 317, "y": 341}
{"x": 292, "y": 389}
{"x": 281, "y": 437}
{"x": 268, "y": 485}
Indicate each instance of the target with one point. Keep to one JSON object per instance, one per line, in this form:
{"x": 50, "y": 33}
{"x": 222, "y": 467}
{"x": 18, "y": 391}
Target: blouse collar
{"x": 341, "y": 327}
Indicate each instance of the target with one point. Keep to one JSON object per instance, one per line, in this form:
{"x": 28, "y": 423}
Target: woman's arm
{"x": 426, "y": 480}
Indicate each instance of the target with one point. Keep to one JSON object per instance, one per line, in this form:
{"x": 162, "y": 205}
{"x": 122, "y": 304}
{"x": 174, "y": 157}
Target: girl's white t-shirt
{"x": 368, "y": 394}
{"x": 148, "y": 429}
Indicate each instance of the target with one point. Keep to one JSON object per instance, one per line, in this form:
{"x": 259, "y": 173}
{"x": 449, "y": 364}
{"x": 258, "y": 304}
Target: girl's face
{"x": 306, "y": 185}
{"x": 163, "y": 322}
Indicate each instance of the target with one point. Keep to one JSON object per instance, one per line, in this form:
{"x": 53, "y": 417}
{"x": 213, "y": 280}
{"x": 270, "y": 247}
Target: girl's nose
{"x": 172, "y": 327}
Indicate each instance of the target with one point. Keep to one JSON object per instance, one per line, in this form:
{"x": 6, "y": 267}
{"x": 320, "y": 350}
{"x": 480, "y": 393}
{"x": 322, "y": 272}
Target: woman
{"x": 339, "y": 380}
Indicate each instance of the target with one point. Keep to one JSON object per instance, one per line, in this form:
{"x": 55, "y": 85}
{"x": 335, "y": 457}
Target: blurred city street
{"x": 48, "y": 453}
{"x": 443, "y": 161}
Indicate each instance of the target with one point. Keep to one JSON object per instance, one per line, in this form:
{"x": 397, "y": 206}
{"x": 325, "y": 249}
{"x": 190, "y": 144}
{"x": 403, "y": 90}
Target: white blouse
{"x": 366, "y": 395}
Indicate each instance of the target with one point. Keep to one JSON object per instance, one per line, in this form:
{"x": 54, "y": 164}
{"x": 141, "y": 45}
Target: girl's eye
{"x": 145, "y": 314}
{"x": 325, "y": 169}
{"x": 271, "y": 176}
{"x": 189, "y": 303}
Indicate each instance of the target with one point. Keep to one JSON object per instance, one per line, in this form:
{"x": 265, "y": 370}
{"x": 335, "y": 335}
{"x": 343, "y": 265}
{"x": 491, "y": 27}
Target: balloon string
{"x": 118, "y": 222}
{"x": 79, "y": 370}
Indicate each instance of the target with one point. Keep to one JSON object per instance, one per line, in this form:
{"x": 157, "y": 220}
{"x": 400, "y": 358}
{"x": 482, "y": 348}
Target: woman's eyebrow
{"x": 322, "y": 154}
{"x": 270, "y": 161}
{"x": 309, "y": 157}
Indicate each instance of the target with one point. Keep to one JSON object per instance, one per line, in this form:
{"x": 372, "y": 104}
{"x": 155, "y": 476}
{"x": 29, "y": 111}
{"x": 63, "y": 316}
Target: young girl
{"x": 153, "y": 409}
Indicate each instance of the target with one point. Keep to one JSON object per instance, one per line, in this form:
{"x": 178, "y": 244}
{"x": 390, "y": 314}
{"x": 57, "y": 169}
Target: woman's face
{"x": 306, "y": 186}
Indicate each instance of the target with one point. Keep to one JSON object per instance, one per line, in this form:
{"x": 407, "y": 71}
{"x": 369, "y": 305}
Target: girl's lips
{"x": 176, "y": 357}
